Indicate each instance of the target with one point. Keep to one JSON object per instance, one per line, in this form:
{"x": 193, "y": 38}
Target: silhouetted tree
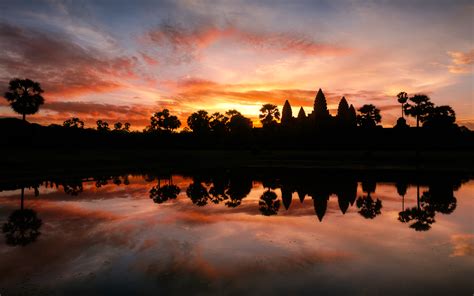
{"x": 24, "y": 96}
{"x": 163, "y": 120}
{"x": 218, "y": 123}
{"x": 268, "y": 203}
{"x": 74, "y": 123}
{"x": 102, "y": 126}
{"x": 126, "y": 127}
{"x": 118, "y": 126}
{"x": 198, "y": 122}
{"x": 286, "y": 114}
{"x": 269, "y": 115}
{"x": 440, "y": 117}
{"x": 420, "y": 108}
{"x": 369, "y": 116}
{"x": 238, "y": 124}
{"x": 402, "y": 98}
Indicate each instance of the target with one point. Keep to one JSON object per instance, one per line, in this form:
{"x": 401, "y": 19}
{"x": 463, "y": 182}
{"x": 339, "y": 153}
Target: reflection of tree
{"x": 438, "y": 198}
{"x": 197, "y": 193}
{"x": 402, "y": 191}
{"x": 239, "y": 187}
{"x": 422, "y": 215}
{"x": 162, "y": 194}
{"x": 369, "y": 208}
{"x": 219, "y": 187}
{"x": 268, "y": 203}
{"x": 23, "y": 225}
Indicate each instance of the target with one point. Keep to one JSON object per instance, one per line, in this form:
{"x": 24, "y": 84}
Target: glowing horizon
{"x": 125, "y": 61}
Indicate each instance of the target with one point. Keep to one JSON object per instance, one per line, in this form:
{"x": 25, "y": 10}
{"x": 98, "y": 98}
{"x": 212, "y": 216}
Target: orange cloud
{"x": 188, "y": 43}
{"x": 461, "y": 62}
{"x": 63, "y": 67}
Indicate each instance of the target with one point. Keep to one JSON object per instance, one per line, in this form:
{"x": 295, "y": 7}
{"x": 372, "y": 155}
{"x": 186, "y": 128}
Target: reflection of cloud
{"x": 463, "y": 245}
{"x": 461, "y": 62}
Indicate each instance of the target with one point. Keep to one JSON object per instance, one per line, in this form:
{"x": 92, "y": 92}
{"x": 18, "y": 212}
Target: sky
{"x": 125, "y": 60}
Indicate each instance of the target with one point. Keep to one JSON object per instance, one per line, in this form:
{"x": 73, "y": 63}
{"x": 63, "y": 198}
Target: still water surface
{"x": 232, "y": 233}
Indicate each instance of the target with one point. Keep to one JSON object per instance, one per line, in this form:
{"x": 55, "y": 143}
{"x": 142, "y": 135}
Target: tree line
{"x": 25, "y": 97}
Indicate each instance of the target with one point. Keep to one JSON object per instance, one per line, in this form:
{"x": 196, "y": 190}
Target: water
{"x": 235, "y": 232}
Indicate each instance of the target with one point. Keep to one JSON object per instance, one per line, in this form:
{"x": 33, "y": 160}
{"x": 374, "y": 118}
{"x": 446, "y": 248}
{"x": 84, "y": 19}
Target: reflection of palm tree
{"x": 402, "y": 191}
{"x": 423, "y": 218}
{"x": 422, "y": 215}
{"x": 23, "y": 226}
{"x": 268, "y": 204}
{"x": 197, "y": 193}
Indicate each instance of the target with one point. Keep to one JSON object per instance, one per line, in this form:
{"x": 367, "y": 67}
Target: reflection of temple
{"x": 231, "y": 187}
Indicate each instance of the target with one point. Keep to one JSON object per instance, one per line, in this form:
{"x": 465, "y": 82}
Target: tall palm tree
{"x": 420, "y": 109}
{"x": 24, "y": 96}
{"x": 402, "y": 99}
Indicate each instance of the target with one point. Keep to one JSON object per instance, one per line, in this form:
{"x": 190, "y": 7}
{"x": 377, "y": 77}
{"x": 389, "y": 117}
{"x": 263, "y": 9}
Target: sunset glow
{"x": 122, "y": 61}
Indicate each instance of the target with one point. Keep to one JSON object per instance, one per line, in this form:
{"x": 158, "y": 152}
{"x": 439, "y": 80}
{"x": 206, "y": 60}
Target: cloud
{"x": 461, "y": 62}
{"x": 187, "y": 44}
{"x": 63, "y": 67}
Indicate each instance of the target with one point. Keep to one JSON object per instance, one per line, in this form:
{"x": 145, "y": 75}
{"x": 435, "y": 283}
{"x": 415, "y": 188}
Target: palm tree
{"x": 269, "y": 115}
{"x": 421, "y": 108}
{"x": 24, "y": 96}
{"x": 402, "y": 99}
